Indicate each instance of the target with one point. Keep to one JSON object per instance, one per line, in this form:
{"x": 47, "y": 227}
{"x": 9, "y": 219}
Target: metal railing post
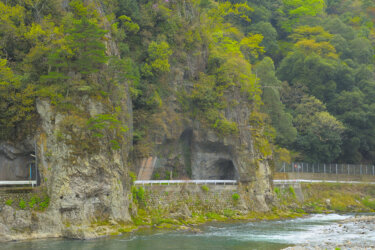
{"x": 336, "y": 168}
{"x": 36, "y": 167}
{"x": 36, "y": 173}
{"x": 30, "y": 176}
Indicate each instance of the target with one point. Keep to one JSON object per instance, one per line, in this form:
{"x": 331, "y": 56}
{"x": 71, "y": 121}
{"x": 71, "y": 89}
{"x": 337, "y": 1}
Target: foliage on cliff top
{"x": 321, "y": 49}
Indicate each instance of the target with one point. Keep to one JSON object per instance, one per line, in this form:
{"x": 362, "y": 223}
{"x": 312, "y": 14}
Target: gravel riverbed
{"x": 352, "y": 233}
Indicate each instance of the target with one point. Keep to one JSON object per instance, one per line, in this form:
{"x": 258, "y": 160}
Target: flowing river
{"x": 309, "y": 231}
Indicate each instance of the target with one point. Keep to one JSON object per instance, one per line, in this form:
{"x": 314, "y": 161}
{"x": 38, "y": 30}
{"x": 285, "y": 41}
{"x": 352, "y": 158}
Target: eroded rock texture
{"x": 199, "y": 153}
{"x": 184, "y": 148}
{"x": 85, "y": 179}
{"x": 87, "y": 185}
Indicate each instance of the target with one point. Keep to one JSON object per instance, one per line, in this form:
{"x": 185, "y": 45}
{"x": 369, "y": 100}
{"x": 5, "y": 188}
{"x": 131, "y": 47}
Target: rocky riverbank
{"x": 352, "y": 233}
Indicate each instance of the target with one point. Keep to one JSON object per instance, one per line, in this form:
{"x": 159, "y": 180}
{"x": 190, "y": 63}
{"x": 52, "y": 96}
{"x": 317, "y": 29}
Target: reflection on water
{"x": 254, "y": 235}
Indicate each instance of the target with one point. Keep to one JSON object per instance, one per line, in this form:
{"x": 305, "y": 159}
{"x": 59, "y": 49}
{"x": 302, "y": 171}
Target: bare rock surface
{"x": 85, "y": 188}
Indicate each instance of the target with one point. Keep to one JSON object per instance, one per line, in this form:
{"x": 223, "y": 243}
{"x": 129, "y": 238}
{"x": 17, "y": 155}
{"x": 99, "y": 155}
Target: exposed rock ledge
{"x": 86, "y": 187}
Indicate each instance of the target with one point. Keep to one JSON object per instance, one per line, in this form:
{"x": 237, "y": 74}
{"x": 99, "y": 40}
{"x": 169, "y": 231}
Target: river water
{"x": 311, "y": 230}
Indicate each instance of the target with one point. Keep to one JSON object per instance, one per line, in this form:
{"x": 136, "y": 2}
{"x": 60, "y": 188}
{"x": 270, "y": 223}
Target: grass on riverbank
{"x": 329, "y": 198}
{"x": 317, "y": 198}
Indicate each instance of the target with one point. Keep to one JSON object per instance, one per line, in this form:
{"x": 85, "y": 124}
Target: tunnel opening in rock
{"x": 17, "y": 165}
{"x": 185, "y": 142}
{"x": 223, "y": 169}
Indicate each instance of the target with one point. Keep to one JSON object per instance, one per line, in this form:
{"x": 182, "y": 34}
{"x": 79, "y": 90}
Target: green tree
{"x": 86, "y": 42}
{"x": 318, "y": 74}
{"x": 158, "y": 55}
{"x": 81, "y": 51}
{"x": 336, "y": 26}
{"x": 295, "y": 9}
{"x": 12, "y": 28}
{"x": 319, "y": 133}
{"x": 313, "y": 40}
{"x": 16, "y": 102}
{"x": 362, "y": 50}
{"x": 350, "y": 107}
{"x": 280, "y": 120}
{"x": 269, "y": 34}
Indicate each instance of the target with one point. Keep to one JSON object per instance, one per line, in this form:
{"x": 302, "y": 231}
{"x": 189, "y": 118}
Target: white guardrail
{"x": 167, "y": 182}
{"x": 233, "y": 182}
{"x": 5, "y": 183}
{"x": 215, "y": 182}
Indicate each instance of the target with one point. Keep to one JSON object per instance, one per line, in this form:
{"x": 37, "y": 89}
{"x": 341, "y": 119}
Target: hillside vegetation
{"x": 307, "y": 68}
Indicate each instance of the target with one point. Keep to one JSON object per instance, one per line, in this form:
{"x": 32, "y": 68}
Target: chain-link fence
{"x": 330, "y": 168}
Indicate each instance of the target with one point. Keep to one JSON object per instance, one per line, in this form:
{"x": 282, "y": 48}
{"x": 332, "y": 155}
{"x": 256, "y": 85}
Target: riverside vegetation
{"x": 194, "y": 208}
{"x": 185, "y": 213}
{"x": 97, "y": 86}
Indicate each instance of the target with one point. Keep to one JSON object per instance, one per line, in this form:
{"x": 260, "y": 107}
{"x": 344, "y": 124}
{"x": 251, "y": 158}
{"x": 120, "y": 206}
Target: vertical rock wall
{"x": 86, "y": 186}
{"x": 184, "y": 148}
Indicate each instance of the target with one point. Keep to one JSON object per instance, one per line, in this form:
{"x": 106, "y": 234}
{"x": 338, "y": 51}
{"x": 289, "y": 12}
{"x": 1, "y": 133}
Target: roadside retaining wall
{"x": 213, "y": 198}
{"x": 14, "y": 195}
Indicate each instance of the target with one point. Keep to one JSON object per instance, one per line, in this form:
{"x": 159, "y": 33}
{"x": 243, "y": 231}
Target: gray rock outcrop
{"x": 87, "y": 179}
{"x": 86, "y": 185}
{"x": 185, "y": 148}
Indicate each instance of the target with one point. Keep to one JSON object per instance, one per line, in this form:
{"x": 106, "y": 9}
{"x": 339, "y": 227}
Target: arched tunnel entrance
{"x": 193, "y": 157}
{"x": 212, "y": 160}
{"x": 185, "y": 144}
{"x": 225, "y": 169}
{"x": 222, "y": 169}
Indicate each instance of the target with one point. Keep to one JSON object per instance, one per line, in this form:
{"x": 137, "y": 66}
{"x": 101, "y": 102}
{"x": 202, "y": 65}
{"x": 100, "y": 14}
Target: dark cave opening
{"x": 223, "y": 169}
{"x": 185, "y": 142}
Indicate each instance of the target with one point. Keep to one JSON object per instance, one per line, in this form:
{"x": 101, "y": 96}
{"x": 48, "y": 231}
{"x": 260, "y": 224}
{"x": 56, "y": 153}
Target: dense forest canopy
{"x": 306, "y": 66}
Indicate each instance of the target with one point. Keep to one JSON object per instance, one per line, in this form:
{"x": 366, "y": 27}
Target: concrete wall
{"x": 15, "y": 162}
{"x": 211, "y": 198}
{"x": 16, "y": 195}
{"x": 17, "y": 169}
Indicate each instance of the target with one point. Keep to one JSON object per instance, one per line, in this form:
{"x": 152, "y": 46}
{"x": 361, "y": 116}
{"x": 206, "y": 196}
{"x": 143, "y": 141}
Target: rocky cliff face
{"x": 185, "y": 148}
{"x": 87, "y": 186}
{"x": 83, "y": 187}
{"x": 86, "y": 178}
